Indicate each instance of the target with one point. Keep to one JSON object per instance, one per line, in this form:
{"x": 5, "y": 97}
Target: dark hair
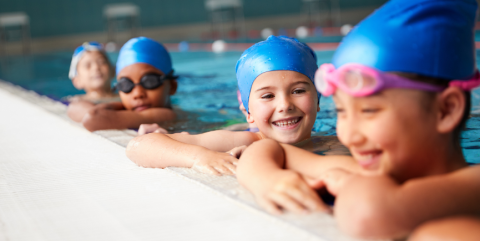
{"x": 444, "y": 83}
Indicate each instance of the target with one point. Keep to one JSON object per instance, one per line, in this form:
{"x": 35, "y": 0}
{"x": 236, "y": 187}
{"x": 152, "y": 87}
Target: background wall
{"x": 50, "y": 18}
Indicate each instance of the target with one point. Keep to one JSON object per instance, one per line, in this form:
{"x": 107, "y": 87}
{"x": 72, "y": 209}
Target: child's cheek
{"x": 308, "y": 105}
{"x": 261, "y": 111}
{"x": 383, "y": 132}
{"x": 158, "y": 97}
{"x": 126, "y": 100}
{"x": 106, "y": 72}
{"x": 342, "y": 130}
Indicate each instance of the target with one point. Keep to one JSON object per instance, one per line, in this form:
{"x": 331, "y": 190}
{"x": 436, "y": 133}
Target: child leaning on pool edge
{"x": 401, "y": 105}
{"x": 145, "y": 82}
{"x": 281, "y": 98}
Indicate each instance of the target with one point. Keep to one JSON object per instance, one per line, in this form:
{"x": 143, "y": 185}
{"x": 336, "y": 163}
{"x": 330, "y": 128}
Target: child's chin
{"x": 288, "y": 139}
{"x": 97, "y": 83}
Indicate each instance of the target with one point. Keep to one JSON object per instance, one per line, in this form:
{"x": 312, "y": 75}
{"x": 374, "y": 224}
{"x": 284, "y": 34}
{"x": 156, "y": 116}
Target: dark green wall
{"x": 63, "y": 17}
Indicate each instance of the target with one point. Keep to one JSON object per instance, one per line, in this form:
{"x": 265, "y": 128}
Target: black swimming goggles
{"x": 148, "y": 81}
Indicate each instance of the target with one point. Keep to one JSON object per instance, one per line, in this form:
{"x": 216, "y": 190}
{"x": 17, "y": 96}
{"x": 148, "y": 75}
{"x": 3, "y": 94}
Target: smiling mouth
{"x": 368, "y": 160}
{"x": 287, "y": 122}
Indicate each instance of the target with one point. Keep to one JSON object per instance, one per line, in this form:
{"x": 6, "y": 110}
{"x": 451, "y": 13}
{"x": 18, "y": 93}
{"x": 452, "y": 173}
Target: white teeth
{"x": 286, "y": 123}
{"x": 367, "y": 157}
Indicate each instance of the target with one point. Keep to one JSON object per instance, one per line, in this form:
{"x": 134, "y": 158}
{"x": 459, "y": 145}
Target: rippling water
{"x": 206, "y": 92}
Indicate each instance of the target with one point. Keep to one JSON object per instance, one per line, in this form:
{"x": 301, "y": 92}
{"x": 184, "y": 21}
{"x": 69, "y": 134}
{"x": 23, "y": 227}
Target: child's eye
{"x": 339, "y": 110}
{"x": 267, "y": 96}
{"x": 299, "y": 91}
{"x": 370, "y": 110}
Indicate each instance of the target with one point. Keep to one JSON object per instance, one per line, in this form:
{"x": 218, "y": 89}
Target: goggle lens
{"x": 125, "y": 85}
{"x": 355, "y": 80}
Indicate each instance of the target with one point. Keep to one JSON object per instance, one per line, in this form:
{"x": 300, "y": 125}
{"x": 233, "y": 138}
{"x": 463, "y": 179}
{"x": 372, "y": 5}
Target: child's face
{"x": 140, "y": 98}
{"x": 284, "y": 105}
{"x": 93, "y": 72}
{"x": 392, "y": 132}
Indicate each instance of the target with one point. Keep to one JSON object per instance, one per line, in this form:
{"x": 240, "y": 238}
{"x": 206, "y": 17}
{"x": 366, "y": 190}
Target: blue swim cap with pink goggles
{"x": 275, "y": 53}
{"x": 432, "y": 38}
{"x": 78, "y": 53}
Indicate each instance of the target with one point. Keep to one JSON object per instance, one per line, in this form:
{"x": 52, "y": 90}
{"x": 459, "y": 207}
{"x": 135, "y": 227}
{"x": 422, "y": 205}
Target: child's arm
{"x": 464, "y": 228}
{"x": 205, "y": 152}
{"x": 261, "y": 170}
{"x": 110, "y": 116}
{"x": 379, "y": 207}
{"x": 78, "y": 109}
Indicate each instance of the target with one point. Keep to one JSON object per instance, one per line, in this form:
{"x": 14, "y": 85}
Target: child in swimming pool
{"x": 91, "y": 71}
{"x": 401, "y": 83}
{"x": 282, "y": 101}
{"x": 145, "y": 82}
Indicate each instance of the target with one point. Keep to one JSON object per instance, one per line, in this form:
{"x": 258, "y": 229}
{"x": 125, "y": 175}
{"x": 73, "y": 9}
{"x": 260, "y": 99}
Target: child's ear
{"x": 318, "y": 107}
{"x": 77, "y": 83}
{"x": 173, "y": 86}
{"x": 451, "y": 107}
{"x": 250, "y": 118}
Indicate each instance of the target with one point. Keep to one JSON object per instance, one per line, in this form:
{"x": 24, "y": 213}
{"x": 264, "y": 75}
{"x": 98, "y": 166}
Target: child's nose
{"x": 285, "y": 104}
{"x": 350, "y": 133}
{"x": 139, "y": 92}
{"x": 95, "y": 66}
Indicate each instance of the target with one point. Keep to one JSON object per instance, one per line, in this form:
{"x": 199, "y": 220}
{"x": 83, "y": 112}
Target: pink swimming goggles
{"x": 359, "y": 80}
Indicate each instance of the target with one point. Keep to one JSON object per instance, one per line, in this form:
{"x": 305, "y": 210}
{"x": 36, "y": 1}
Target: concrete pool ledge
{"x": 60, "y": 182}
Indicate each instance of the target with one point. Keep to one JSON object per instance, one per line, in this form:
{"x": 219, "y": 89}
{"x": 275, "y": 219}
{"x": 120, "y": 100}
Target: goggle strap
{"x": 411, "y": 84}
{"x": 170, "y": 75}
{"x": 467, "y": 85}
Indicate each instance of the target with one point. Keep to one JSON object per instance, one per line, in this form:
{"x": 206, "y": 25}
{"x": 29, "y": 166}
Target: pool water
{"x": 207, "y": 90}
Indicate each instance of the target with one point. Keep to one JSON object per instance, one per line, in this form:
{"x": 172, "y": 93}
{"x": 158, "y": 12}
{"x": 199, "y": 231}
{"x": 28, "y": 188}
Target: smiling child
{"x": 281, "y": 100}
{"x": 401, "y": 83}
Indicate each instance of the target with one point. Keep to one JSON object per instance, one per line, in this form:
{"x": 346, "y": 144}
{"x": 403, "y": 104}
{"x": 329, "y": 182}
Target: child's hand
{"x": 151, "y": 128}
{"x": 216, "y": 163}
{"x": 237, "y": 151}
{"x": 334, "y": 180}
{"x": 290, "y": 192}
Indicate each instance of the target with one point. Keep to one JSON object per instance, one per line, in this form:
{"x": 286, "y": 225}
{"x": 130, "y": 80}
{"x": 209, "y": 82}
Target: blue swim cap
{"x": 275, "y": 53}
{"x": 78, "y": 53}
{"x": 428, "y": 37}
{"x": 144, "y": 50}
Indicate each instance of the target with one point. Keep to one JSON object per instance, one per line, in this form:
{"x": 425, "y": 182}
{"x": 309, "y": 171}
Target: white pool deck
{"x": 60, "y": 182}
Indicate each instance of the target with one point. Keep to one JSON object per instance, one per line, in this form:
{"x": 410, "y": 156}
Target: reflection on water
{"x": 206, "y": 96}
